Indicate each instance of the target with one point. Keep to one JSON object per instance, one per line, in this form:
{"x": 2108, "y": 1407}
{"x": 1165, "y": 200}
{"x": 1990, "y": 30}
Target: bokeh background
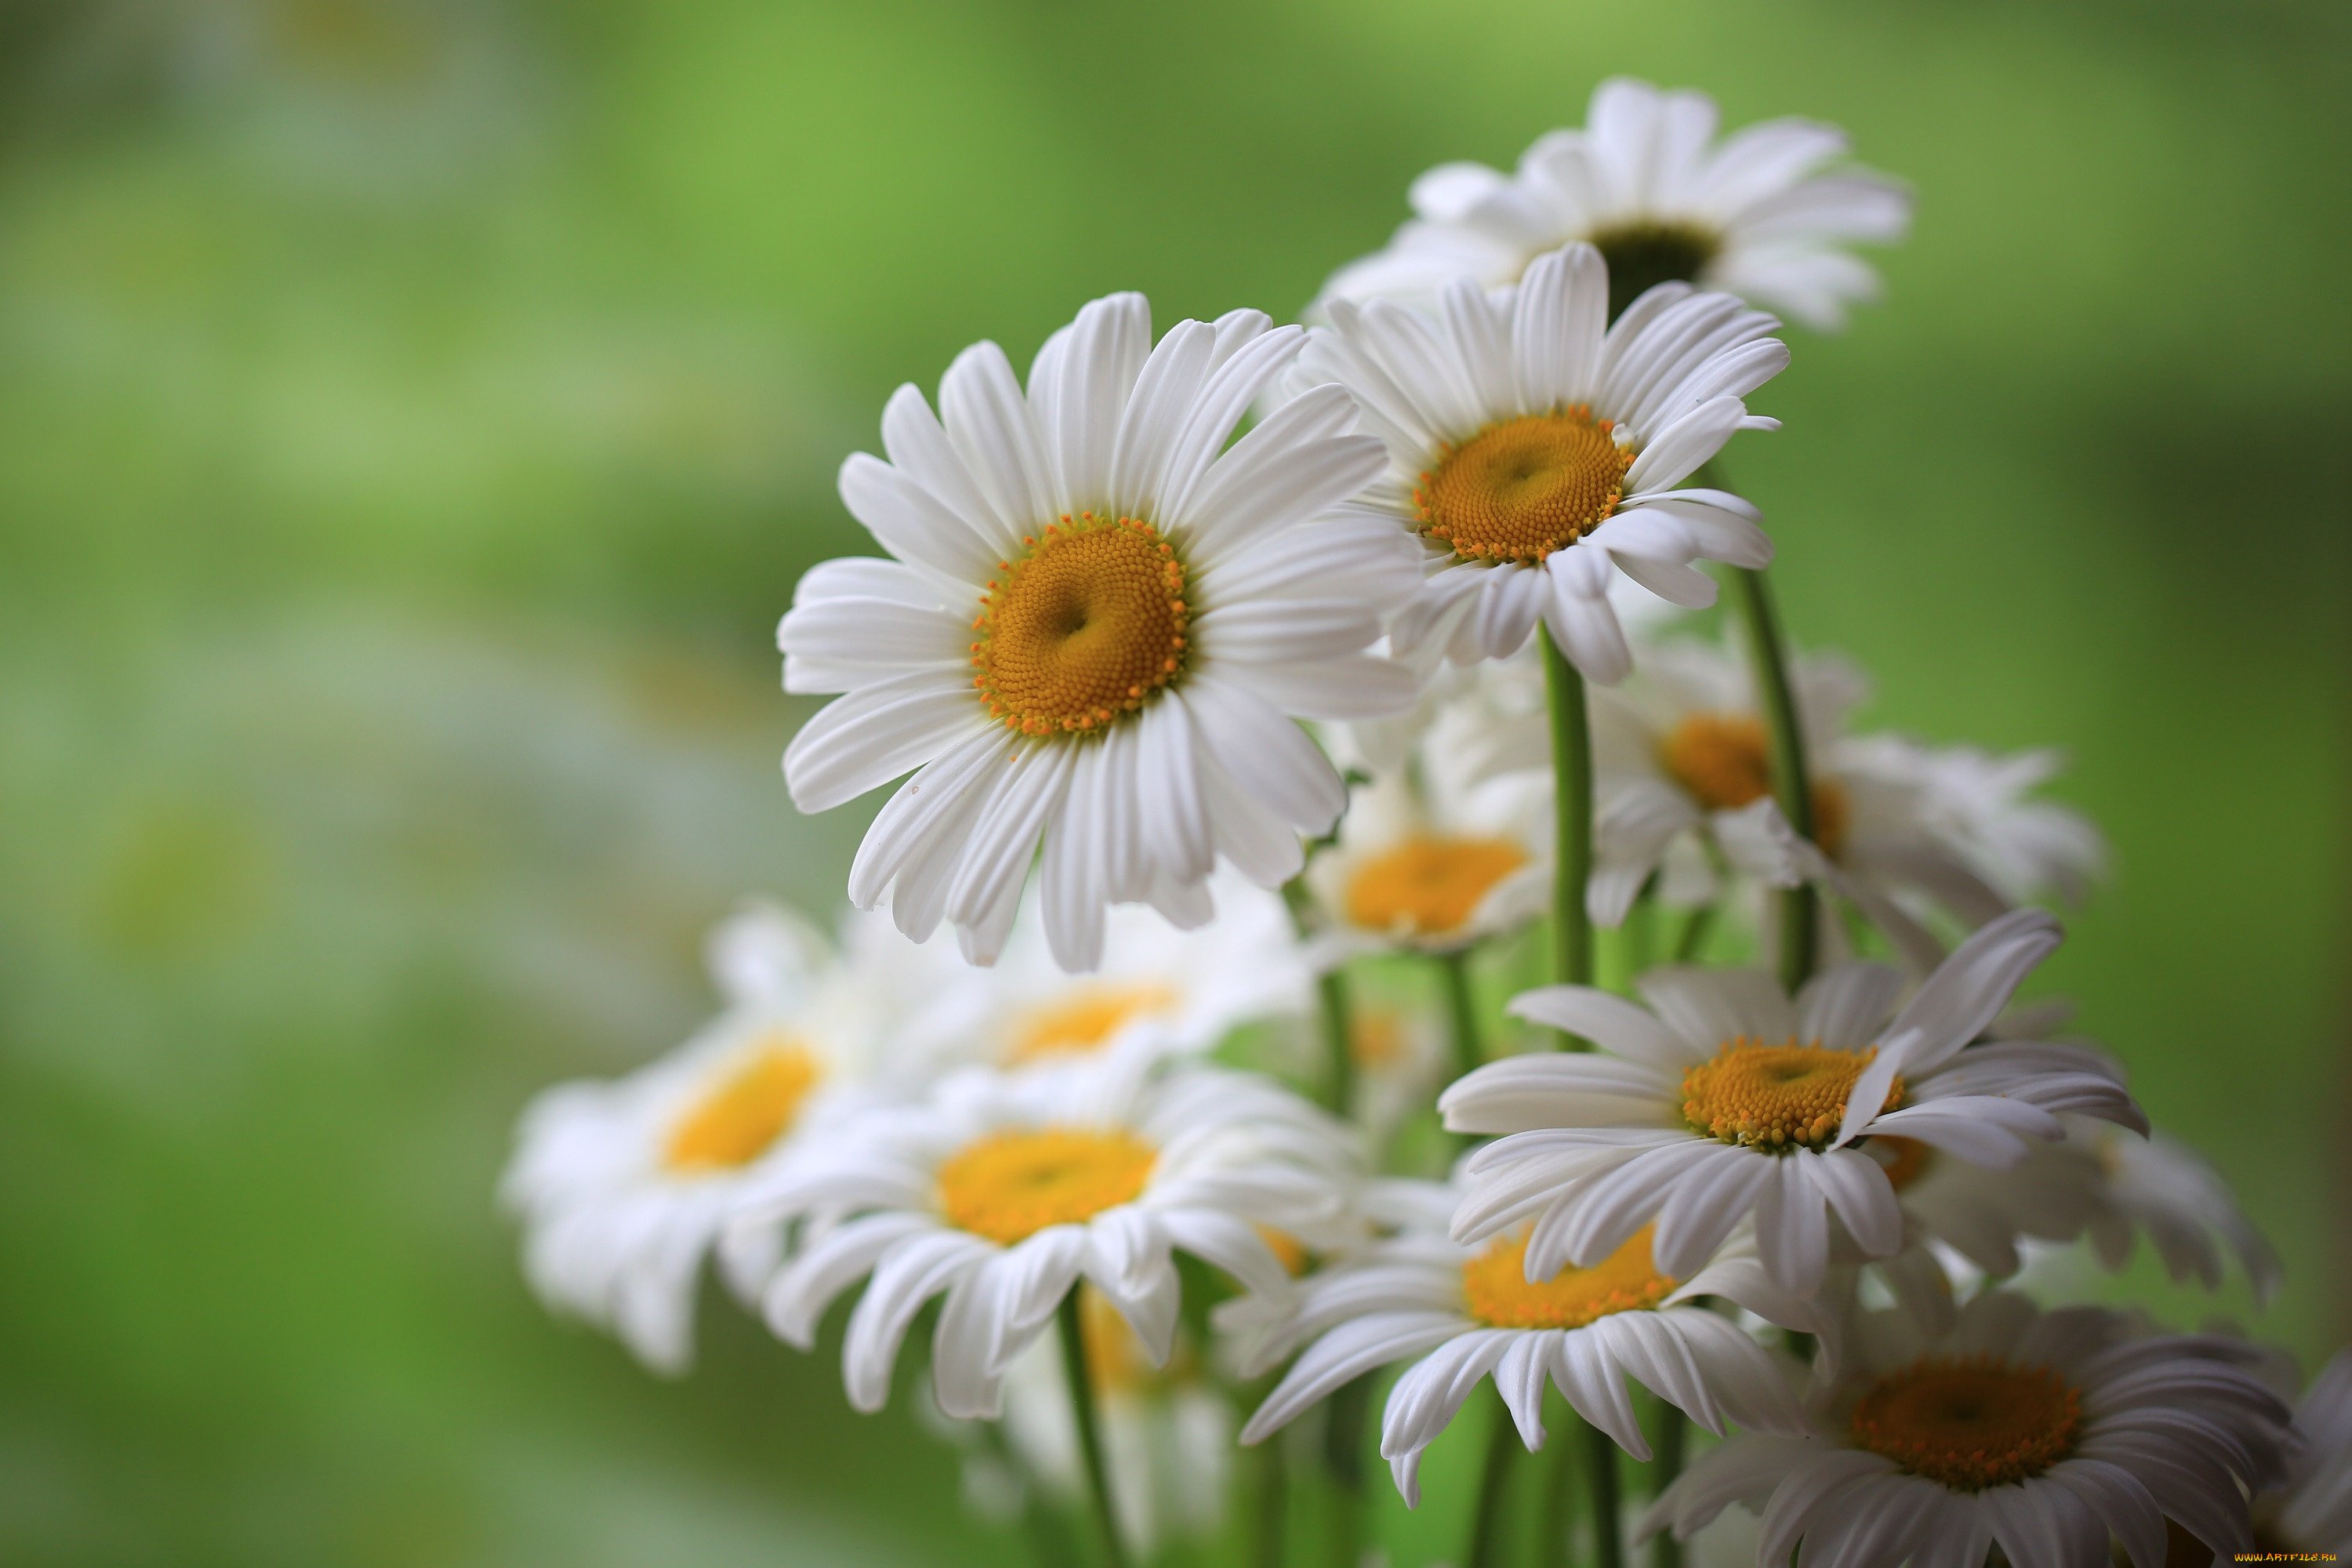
{"x": 413, "y": 416}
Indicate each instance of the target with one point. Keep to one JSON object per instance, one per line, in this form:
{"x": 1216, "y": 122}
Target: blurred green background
{"x": 413, "y": 416}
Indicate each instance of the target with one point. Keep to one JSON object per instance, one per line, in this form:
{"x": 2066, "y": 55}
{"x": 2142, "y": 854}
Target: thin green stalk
{"x": 1607, "y": 1527}
{"x": 1040, "y": 1523}
{"x": 1331, "y": 993}
{"x": 1462, "y": 1011}
{"x": 1694, "y": 933}
{"x": 1082, "y": 1414}
{"x": 1343, "y": 1455}
{"x": 1791, "y": 786}
{"x": 1269, "y": 1535}
{"x": 1560, "y": 1495}
{"x": 1665, "y": 1551}
{"x": 1571, "y": 767}
{"x": 1488, "y": 1531}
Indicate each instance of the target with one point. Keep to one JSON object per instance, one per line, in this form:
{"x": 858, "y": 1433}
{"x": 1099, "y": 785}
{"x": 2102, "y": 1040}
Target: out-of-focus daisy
{"x": 2311, "y": 1511}
{"x": 1534, "y": 450}
{"x": 2046, "y": 1434}
{"x": 1724, "y": 1100}
{"x": 1158, "y": 987}
{"x": 2159, "y": 1186}
{"x": 1979, "y": 808}
{"x": 624, "y": 1186}
{"x": 1099, "y": 624}
{"x": 1766, "y": 213}
{"x": 1401, "y": 1053}
{"x": 1002, "y": 1191}
{"x": 1167, "y": 1432}
{"x": 1462, "y": 1314}
{"x": 1429, "y": 858}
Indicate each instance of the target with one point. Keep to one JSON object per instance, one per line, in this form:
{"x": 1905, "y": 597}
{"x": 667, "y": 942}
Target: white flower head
{"x": 1099, "y": 625}
{"x": 1462, "y": 1314}
{"x": 1724, "y": 1100}
{"x": 1002, "y": 1191}
{"x": 1158, "y": 988}
{"x": 1766, "y": 213}
{"x": 624, "y": 1186}
{"x": 2311, "y": 1510}
{"x": 2047, "y": 1434}
{"x": 1534, "y": 450}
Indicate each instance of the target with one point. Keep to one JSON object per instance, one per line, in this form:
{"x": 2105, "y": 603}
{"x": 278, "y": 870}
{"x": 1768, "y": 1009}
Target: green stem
{"x": 1487, "y": 1533}
{"x": 1694, "y": 931}
{"x": 1665, "y": 1551}
{"x": 1041, "y": 1525}
{"x": 1571, "y": 767}
{"x": 1331, "y": 993}
{"x": 1343, "y": 1454}
{"x": 1462, "y": 1011}
{"x": 1559, "y": 1497}
{"x": 1608, "y": 1529}
{"x": 1082, "y": 1414}
{"x": 1268, "y": 1543}
{"x": 1768, "y": 656}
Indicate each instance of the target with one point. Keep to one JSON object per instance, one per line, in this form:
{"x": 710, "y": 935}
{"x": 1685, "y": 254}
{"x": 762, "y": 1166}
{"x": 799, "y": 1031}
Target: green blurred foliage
{"x": 414, "y": 413}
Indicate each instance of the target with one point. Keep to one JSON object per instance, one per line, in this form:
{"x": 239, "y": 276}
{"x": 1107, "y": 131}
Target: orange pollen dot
{"x": 1724, "y": 760}
{"x": 1084, "y": 1018}
{"x": 734, "y": 1123}
{"x": 1905, "y": 1159}
{"x": 1082, "y": 629}
{"x": 1969, "y": 1423}
{"x": 1521, "y": 489}
{"x": 1008, "y": 1186}
{"x": 1428, "y": 885}
{"x": 1775, "y": 1098}
{"x": 1495, "y": 1284}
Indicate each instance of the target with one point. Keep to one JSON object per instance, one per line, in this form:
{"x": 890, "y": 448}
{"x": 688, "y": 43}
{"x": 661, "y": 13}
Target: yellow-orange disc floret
{"x": 1007, "y": 1186}
{"x": 1083, "y": 1020}
{"x": 1724, "y": 760}
{"x": 1085, "y": 625}
{"x": 1428, "y": 885}
{"x": 1495, "y": 1286}
{"x": 1775, "y": 1098}
{"x": 1521, "y": 489}
{"x": 734, "y": 1123}
{"x": 1969, "y": 1423}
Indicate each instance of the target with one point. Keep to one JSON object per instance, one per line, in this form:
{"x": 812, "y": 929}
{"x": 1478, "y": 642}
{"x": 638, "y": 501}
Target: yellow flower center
{"x": 1775, "y": 1098}
{"x": 1970, "y": 1423}
{"x": 735, "y": 1123}
{"x": 1429, "y": 886}
{"x": 1088, "y": 622}
{"x": 1495, "y": 1283}
{"x": 1287, "y": 1249}
{"x": 1084, "y": 1018}
{"x": 1724, "y": 760}
{"x": 1905, "y": 1159}
{"x": 1008, "y": 1186}
{"x": 1524, "y": 487}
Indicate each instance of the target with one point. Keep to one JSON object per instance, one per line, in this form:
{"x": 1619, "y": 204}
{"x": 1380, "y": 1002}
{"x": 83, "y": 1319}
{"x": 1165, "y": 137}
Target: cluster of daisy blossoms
{"x": 1404, "y": 940}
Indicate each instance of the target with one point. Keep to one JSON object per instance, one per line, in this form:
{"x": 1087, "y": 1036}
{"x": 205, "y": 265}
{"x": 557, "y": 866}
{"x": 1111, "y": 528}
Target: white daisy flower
{"x": 1158, "y": 988}
{"x": 1430, "y": 858}
{"x": 1099, "y": 624}
{"x": 1534, "y": 450}
{"x": 2047, "y": 1434}
{"x": 1724, "y": 1100}
{"x": 1766, "y": 215}
{"x": 1978, "y": 809}
{"x": 624, "y": 1186}
{"x": 1002, "y": 1191}
{"x": 2311, "y": 1511}
{"x": 1402, "y": 1054}
{"x": 1464, "y": 1313}
{"x": 1167, "y": 1432}
{"x": 2159, "y": 1186}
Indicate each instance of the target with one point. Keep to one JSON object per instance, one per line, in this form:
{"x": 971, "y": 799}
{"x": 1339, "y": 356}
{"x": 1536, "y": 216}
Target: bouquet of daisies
{"x": 1398, "y": 949}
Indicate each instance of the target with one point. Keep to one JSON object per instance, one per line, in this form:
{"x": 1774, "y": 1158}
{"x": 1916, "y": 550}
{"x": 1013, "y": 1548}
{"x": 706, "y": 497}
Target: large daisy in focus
{"x": 1001, "y": 1192}
{"x": 1766, "y": 213}
{"x": 1534, "y": 450}
{"x": 1723, "y": 1099}
{"x": 2048, "y": 1434}
{"x": 1462, "y": 1314}
{"x": 1099, "y": 625}
{"x": 623, "y": 1187}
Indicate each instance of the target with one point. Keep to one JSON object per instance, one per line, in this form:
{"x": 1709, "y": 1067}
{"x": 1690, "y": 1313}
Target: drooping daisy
{"x": 2310, "y": 1510}
{"x": 1534, "y": 450}
{"x": 1002, "y": 1191}
{"x": 1723, "y": 1099}
{"x": 1766, "y": 215}
{"x": 1979, "y": 808}
{"x": 1158, "y": 987}
{"x": 624, "y": 1186}
{"x": 1427, "y": 858}
{"x": 2049, "y": 1434}
{"x": 1462, "y": 1314}
{"x": 2159, "y": 1186}
{"x": 1099, "y": 625}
